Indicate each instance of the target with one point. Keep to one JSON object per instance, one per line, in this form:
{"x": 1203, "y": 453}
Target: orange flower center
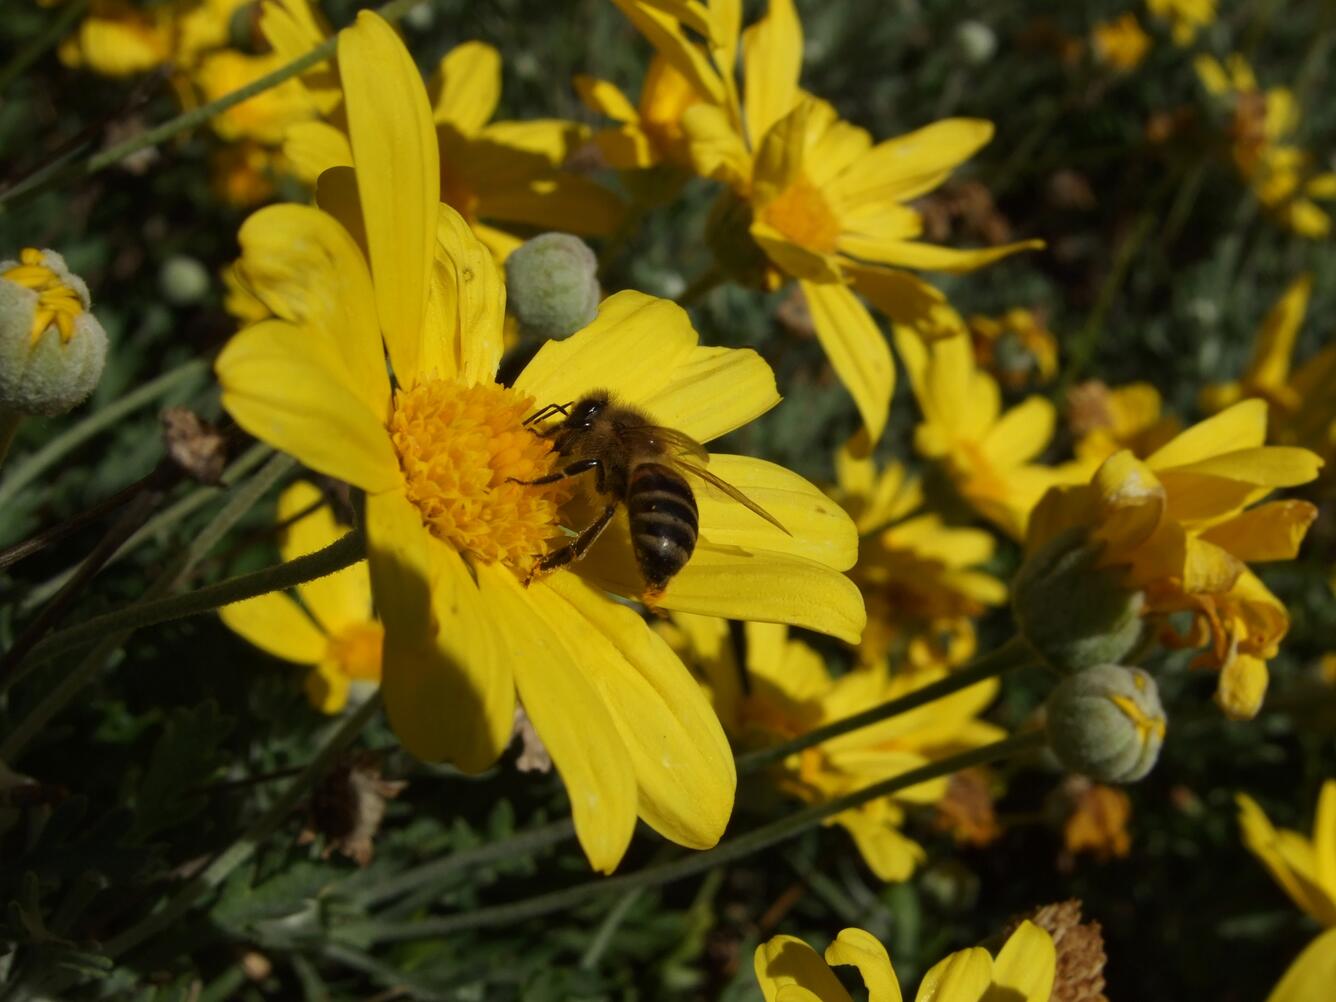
{"x": 356, "y": 650}
{"x": 802, "y": 214}
{"x": 57, "y": 302}
{"x": 462, "y": 449}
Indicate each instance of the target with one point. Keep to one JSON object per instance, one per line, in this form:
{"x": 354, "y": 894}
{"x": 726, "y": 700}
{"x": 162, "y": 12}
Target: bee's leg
{"x": 546, "y": 411}
{"x": 577, "y": 547}
{"x": 566, "y": 472}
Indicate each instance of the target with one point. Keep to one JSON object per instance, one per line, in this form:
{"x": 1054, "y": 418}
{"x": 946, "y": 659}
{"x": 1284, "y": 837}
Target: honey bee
{"x": 642, "y": 465}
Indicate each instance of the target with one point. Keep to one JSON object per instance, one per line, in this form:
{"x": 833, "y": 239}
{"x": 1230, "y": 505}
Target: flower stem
{"x": 729, "y": 851}
{"x": 35, "y": 465}
{"x": 343, "y": 552}
{"x": 9, "y": 427}
{"x": 116, "y": 628}
{"x": 1015, "y": 653}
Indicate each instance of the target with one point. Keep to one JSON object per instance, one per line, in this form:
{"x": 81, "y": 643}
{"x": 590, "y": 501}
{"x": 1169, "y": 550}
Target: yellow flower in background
{"x": 1301, "y": 405}
{"x": 788, "y": 970}
{"x": 244, "y": 173}
{"x": 825, "y": 205}
{"x": 1281, "y": 174}
{"x": 919, "y": 576}
{"x": 117, "y": 38}
{"x": 1105, "y": 420}
{"x": 1014, "y": 347}
{"x": 451, "y": 534}
{"x": 647, "y": 134}
{"x": 1186, "y": 523}
{"x": 505, "y": 178}
{"x": 789, "y": 692}
{"x": 1097, "y": 821}
{"x": 987, "y": 453}
{"x": 333, "y": 631}
{"x": 1305, "y": 868}
{"x": 264, "y": 118}
{"x": 1120, "y": 44}
{"x": 1187, "y": 17}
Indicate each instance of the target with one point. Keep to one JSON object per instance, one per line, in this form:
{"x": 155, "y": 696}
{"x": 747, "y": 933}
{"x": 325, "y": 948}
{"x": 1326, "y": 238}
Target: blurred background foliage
{"x": 1159, "y": 267}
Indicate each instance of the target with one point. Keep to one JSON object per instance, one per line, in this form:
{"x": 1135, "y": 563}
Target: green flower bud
{"x": 51, "y": 348}
{"x": 183, "y": 280}
{"x": 1106, "y": 723}
{"x": 976, "y": 42}
{"x": 552, "y": 284}
{"x": 1074, "y": 613}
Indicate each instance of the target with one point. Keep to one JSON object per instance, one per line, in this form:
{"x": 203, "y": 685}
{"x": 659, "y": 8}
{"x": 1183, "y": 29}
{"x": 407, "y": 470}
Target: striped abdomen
{"x": 663, "y": 520}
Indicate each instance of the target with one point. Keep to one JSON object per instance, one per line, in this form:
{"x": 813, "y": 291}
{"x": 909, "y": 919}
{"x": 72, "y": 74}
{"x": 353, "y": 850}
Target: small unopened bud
{"x": 1074, "y": 613}
{"x": 552, "y": 285}
{"x": 1106, "y": 723}
{"x": 183, "y": 280}
{"x": 51, "y": 348}
{"x": 976, "y": 42}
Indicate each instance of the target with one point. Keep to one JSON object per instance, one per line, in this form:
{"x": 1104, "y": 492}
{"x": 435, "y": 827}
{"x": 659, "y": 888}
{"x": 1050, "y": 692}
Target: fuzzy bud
{"x": 51, "y": 348}
{"x": 976, "y": 42}
{"x": 1073, "y": 612}
{"x": 552, "y": 285}
{"x": 1106, "y": 723}
{"x": 183, "y": 280}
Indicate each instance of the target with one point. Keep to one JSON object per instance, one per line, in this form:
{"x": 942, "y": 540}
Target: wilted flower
{"x": 1105, "y": 419}
{"x": 789, "y": 691}
{"x": 788, "y": 970}
{"x": 333, "y": 631}
{"x": 1096, "y": 819}
{"x": 821, "y": 203}
{"x": 452, "y": 525}
{"x": 1181, "y": 525}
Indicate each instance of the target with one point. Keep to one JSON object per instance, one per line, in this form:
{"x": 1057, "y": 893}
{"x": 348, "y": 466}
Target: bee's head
{"x": 585, "y": 410}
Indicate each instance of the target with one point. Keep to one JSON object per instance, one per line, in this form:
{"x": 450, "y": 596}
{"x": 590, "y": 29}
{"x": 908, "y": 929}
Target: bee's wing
{"x": 731, "y": 491}
{"x": 669, "y": 441}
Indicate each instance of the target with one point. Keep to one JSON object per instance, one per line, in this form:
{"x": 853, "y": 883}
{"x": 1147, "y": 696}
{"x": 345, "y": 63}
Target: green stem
{"x": 9, "y": 427}
{"x": 342, "y": 553}
{"x": 598, "y": 946}
{"x": 729, "y": 851}
{"x": 35, "y": 465}
{"x": 242, "y": 500}
{"x": 37, "y": 48}
{"x": 188, "y": 120}
{"x": 1015, "y": 653}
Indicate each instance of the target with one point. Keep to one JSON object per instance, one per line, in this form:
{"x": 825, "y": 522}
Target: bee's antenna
{"x": 547, "y": 411}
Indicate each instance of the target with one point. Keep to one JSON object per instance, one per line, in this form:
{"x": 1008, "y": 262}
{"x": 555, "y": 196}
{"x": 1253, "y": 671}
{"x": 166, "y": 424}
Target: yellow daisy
{"x": 1182, "y": 523}
{"x": 336, "y": 635}
{"x": 920, "y": 577}
{"x": 1120, "y": 44}
{"x": 647, "y": 134}
{"x": 789, "y": 692}
{"x": 1186, "y": 17}
{"x": 788, "y": 970}
{"x": 988, "y": 454}
{"x": 821, "y": 202}
{"x": 451, "y": 534}
{"x": 505, "y": 178}
{"x": 1305, "y": 868}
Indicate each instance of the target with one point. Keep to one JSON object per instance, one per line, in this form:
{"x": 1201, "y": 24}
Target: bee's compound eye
{"x": 586, "y": 410}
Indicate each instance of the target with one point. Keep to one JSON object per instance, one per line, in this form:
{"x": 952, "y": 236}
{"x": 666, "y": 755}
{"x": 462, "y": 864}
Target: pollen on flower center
{"x": 802, "y": 214}
{"x": 57, "y": 301}
{"x": 461, "y": 449}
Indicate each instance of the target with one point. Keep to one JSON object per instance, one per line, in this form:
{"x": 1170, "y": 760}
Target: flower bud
{"x": 1106, "y": 723}
{"x": 183, "y": 280}
{"x": 976, "y": 42}
{"x": 1074, "y": 613}
{"x": 552, "y": 284}
{"x": 51, "y": 348}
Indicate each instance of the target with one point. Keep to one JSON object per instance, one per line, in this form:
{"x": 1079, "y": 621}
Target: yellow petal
{"x": 398, "y": 177}
{"x": 336, "y": 600}
{"x": 282, "y": 389}
{"x": 1270, "y": 363}
{"x": 1024, "y": 969}
{"x": 467, "y": 86}
{"x": 556, "y": 202}
{"x": 785, "y": 961}
{"x": 860, "y": 949}
{"x": 1324, "y": 839}
{"x": 712, "y": 392}
{"x": 545, "y": 642}
{"x": 1264, "y": 466}
{"x": 627, "y": 147}
{"x": 1264, "y": 842}
{"x": 1208, "y": 569}
{"x": 1270, "y": 531}
{"x": 962, "y": 977}
{"x": 905, "y": 298}
{"x": 327, "y": 687}
{"x": 930, "y": 257}
{"x": 818, "y": 528}
{"x": 890, "y": 854}
{"x": 449, "y": 693}
{"x": 772, "y": 60}
{"x": 466, "y": 306}
{"x": 605, "y": 98}
{"x": 552, "y": 140}
{"x": 313, "y": 147}
{"x": 682, "y": 761}
{"x": 1242, "y": 687}
{"x": 716, "y": 149}
{"x": 857, "y": 350}
{"x": 1242, "y": 426}
{"x": 905, "y": 167}
{"x": 794, "y": 259}
{"x": 1129, "y": 502}
{"x": 640, "y": 339}
{"x": 1310, "y": 977}
{"x": 779, "y": 154}
{"x": 666, "y": 36}
{"x": 276, "y": 624}
{"x": 307, "y": 269}
{"x": 1021, "y": 433}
